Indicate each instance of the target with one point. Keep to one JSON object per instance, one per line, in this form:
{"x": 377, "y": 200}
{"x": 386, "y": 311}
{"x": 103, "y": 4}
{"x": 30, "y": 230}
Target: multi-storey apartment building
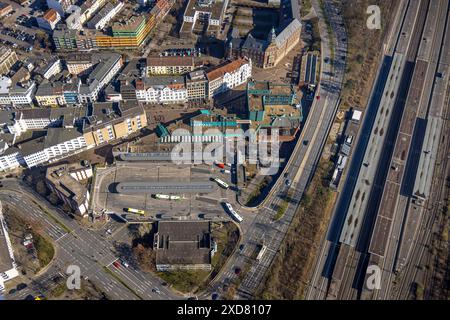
{"x": 69, "y": 131}
{"x": 8, "y": 58}
{"x": 88, "y": 9}
{"x": 228, "y": 75}
{"x": 196, "y": 85}
{"x": 60, "y": 6}
{"x": 71, "y": 191}
{"x": 201, "y": 13}
{"x": 107, "y": 121}
{"x": 19, "y": 94}
{"x": 71, "y": 91}
{"x": 50, "y": 95}
{"x": 73, "y": 21}
{"x": 57, "y": 144}
{"x": 107, "y": 67}
{"x": 53, "y": 67}
{"x": 49, "y": 20}
{"x": 101, "y": 18}
{"x": 38, "y": 119}
{"x": 57, "y": 94}
{"x": 161, "y": 89}
{"x": 169, "y": 65}
{"x": 65, "y": 39}
{"x": 76, "y": 63}
{"x": 124, "y": 34}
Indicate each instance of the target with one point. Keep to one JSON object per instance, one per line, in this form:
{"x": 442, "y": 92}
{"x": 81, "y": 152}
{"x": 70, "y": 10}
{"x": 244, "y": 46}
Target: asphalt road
{"x": 91, "y": 250}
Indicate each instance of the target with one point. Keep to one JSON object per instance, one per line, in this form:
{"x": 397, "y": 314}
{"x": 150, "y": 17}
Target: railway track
{"x": 397, "y": 286}
{"x": 408, "y": 276}
{"x": 380, "y": 149}
{"x": 430, "y": 213}
{"x": 425, "y": 68}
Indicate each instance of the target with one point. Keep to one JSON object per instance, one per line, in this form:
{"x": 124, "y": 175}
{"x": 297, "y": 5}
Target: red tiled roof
{"x": 227, "y": 68}
{"x": 51, "y": 15}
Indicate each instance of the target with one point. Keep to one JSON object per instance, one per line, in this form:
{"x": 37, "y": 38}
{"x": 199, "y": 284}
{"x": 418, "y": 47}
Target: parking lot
{"x": 19, "y": 27}
{"x": 17, "y": 39}
{"x": 190, "y": 206}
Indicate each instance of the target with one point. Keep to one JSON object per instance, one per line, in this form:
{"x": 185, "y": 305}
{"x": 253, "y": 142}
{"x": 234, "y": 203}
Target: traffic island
{"x": 33, "y": 250}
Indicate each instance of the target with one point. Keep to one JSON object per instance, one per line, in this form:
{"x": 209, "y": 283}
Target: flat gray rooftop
{"x": 146, "y": 156}
{"x": 183, "y": 243}
{"x": 166, "y": 187}
{"x": 153, "y": 156}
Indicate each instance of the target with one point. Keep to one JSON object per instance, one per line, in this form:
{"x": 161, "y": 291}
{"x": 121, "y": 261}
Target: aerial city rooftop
{"x": 223, "y": 149}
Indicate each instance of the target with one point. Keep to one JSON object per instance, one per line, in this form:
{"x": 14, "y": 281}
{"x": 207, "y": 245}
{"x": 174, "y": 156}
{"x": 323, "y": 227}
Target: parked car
{"x": 21, "y": 286}
{"x": 125, "y": 264}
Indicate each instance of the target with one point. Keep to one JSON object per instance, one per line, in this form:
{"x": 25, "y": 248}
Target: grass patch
{"x": 314, "y": 43}
{"x": 281, "y": 210}
{"x": 59, "y": 290}
{"x": 44, "y": 249}
{"x": 364, "y": 48}
{"x": 88, "y": 291}
{"x": 418, "y": 291}
{"x": 329, "y": 30}
{"x": 226, "y": 235}
{"x": 255, "y": 196}
{"x": 305, "y": 7}
{"x": 184, "y": 281}
{"x": 33, "y": 259}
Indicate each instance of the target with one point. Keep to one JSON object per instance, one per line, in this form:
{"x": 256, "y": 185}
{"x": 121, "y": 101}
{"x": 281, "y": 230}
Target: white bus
{"x": 261, "y": 253}
{"x": 162, "y": 196}
{"x": 167, "y": 197}
{"x": 233, "y": 213}
{"x": 221, "y": 183}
